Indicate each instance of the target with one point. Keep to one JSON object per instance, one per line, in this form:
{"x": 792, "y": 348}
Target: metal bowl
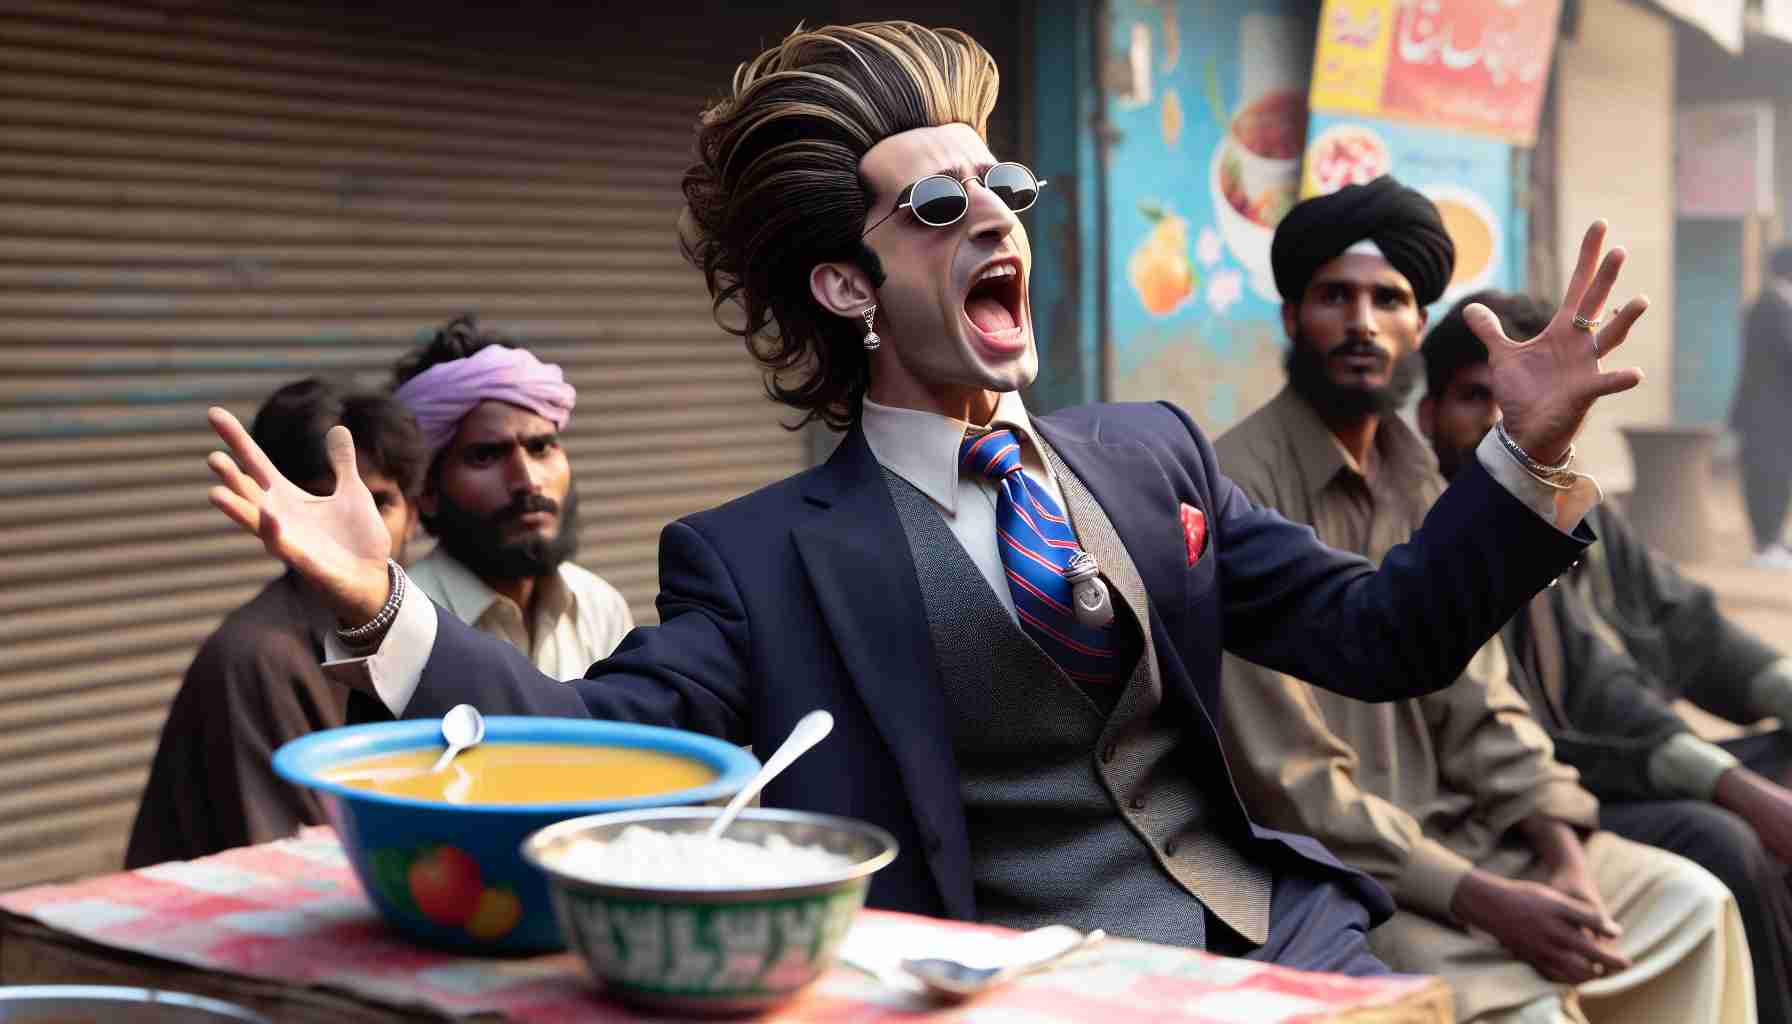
{"x": 66, "y": 1004}
{"x": 688, "y": 949}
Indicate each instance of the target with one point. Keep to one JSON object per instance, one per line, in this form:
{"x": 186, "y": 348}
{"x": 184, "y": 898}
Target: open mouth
{"x": 993, "y": 303}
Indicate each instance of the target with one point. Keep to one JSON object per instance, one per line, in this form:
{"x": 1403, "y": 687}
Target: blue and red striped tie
{"x": 1037, "y": 544}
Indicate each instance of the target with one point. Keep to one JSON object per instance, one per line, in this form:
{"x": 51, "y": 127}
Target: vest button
{"x": 1107, "y": 753}
{"x": 1170, "y": 848}
{"x": 1138, "y": 803}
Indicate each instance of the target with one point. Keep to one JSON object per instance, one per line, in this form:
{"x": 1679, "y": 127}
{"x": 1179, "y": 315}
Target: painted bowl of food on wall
{"x": 1472, "y": 226}
{"x": 672, "y": 920}
{"x": 437, "y": 851}
{"x": 1344, "y": 154}
{"x": 1254, "y": 179}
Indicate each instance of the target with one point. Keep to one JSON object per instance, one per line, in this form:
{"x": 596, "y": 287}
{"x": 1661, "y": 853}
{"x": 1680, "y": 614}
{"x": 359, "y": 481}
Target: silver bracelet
{"x": 388, "y": 611}
{"x": 1548, "y": 474}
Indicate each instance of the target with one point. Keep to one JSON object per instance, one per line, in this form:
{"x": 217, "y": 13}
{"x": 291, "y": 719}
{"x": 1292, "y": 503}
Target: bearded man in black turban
{"x": 1454, "y": 800}
{"x": 1356, "y": 270}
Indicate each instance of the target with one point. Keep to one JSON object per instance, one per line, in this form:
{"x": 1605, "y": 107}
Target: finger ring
{"x": 1598, "y": 968}
{"x": 1584, "y": 324}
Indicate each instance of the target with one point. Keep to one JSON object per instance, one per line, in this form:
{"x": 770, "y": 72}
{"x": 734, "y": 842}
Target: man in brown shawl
{"x": 256, "y": 682}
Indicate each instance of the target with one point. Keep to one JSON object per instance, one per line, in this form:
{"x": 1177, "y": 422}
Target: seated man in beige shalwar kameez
{"x": 1454, "y": 801}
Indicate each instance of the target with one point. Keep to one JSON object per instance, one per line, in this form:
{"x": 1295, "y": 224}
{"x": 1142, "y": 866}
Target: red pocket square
{"x": 1194, "y": 530}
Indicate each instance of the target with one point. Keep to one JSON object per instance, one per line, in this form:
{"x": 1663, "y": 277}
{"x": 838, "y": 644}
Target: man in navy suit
{"x": 1016, "y": 622}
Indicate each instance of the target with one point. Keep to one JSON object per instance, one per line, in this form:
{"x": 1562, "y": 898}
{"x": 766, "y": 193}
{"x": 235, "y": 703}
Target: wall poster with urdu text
{"x": 1469, "y": 66}
{"x": 1437, "y": 93}
{"x": 1469, "y": 178}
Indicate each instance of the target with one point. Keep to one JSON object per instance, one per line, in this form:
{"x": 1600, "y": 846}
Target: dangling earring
{"x": 871, "y": 338}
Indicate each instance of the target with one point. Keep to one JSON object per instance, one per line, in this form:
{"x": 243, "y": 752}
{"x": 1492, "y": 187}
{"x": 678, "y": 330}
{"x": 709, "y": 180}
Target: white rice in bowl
{"x": 642, "y": 857}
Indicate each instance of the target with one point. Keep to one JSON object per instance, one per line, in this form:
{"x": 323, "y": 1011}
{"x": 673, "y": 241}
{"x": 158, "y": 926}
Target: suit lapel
{"x": 1137, "y": 498}
{"x": 857, "y": 558}
{"x": 1098, "y": 536}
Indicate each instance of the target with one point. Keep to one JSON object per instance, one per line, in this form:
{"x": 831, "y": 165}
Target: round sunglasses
{"x": 940, "y": 200}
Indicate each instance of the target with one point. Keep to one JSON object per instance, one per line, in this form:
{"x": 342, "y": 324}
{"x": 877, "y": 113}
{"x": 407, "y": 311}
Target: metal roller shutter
{"x": 200, "y": 202}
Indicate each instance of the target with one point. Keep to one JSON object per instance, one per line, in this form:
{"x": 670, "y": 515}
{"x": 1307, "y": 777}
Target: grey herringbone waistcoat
{"x": 1075, "y": 815}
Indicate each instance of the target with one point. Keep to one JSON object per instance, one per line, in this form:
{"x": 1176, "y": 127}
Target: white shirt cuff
{"x": 1770, "y": 691}
{"x": 1689, "y": 766}
{"x": 1563, "y": 507}
{"x": 392, "y": 671}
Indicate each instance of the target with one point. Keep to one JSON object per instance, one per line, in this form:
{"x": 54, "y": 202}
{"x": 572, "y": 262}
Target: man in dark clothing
{"x": 1600, "y": 658}
{"x": 1762, "y": 416}
{"x": 256, "y": 682}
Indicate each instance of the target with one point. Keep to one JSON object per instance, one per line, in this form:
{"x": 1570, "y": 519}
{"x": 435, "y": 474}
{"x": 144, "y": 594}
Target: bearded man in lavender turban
{"x": 499, "y": 499}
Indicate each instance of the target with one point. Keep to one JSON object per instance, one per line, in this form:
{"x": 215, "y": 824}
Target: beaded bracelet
{"x": 388, "y": 611}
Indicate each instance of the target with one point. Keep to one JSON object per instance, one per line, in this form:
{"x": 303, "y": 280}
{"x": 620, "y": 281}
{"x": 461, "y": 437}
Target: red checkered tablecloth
{"x": 292, "y": 912}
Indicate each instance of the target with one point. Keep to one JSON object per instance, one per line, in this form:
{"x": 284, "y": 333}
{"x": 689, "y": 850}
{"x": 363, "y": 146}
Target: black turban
{"x": 1401, "y": 222}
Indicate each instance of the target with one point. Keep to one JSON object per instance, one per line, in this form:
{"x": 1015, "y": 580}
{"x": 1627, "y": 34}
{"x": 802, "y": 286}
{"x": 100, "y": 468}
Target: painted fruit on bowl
{"x": 449, "y": 874}
{"x": 443, "y": 884}
{"x": 1160, "y": 269}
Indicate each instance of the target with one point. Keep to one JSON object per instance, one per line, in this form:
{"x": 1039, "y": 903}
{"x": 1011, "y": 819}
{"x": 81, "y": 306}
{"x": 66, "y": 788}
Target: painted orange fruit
{"x": 498, "y": 912}
{"x": 1160, "y": 270}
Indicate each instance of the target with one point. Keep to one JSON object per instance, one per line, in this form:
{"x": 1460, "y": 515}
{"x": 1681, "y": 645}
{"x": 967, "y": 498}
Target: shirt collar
{"x": 469, "y": 598}
{"x": 922, "y": 447}
{"x": 1405, "y": 456}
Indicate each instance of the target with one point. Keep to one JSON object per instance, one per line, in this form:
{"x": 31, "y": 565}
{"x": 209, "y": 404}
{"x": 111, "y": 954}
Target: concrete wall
{"x": 1615, "y": 138}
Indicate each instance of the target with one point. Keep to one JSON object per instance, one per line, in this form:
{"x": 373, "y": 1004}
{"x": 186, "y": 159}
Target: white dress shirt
{"x": 922, "y": 448}
{"x": 579, "y": 618}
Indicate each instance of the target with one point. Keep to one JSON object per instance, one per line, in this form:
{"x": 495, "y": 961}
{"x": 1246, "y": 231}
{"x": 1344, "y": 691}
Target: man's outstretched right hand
{"x": 339, "y": 543}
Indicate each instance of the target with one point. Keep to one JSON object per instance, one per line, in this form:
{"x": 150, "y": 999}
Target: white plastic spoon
{"x": 810, "y": 730}
{"x": 462, "y": 727}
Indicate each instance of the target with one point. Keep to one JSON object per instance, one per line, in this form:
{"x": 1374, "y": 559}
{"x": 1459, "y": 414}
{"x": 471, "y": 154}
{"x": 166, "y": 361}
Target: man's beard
{"x": 1451, "y": 460}
{"x": 472, "y": 539}
{"x": 1310, "y": 377}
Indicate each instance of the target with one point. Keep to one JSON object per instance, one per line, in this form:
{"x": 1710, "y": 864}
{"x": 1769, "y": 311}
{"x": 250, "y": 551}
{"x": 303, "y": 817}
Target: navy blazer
{"x": 803, "y": 595}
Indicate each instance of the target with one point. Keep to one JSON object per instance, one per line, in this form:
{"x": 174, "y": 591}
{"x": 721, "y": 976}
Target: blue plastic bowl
{"x": 451, "y": 875}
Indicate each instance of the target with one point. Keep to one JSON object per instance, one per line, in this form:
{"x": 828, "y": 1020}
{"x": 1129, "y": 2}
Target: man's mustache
{"x": 1360, "y": 349}
{"x": 523, "y": 505}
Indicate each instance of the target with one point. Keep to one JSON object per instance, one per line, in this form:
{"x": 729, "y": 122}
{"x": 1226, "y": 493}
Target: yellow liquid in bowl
{"x": 524, "y": 773}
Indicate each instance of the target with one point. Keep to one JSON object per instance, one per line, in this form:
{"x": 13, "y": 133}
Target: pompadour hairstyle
{"x": 1450, "y": 345}
{"x": 776, "y": 187}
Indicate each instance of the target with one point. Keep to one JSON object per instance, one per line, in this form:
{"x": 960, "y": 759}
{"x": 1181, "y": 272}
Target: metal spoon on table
{"x": 462, "y": 727}
{"x": 810, "y": 730}
{"x": 1043, "y": 947}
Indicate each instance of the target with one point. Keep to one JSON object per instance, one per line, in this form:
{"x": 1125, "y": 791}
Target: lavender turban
{"x": 441, "y": 396}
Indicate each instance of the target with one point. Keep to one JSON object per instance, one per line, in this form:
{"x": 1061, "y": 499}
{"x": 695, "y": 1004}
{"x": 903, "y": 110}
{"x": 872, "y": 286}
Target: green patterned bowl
{"x": 711, "y": 950}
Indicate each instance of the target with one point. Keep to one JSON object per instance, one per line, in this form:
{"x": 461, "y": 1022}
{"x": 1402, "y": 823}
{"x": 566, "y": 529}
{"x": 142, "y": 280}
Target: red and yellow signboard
{"x": 1475, "y": 66}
